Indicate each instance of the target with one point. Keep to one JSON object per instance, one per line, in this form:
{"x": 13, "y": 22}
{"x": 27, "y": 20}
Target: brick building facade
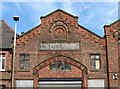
{"x": 61, "y": 52}
{"x": 6, "y": 35}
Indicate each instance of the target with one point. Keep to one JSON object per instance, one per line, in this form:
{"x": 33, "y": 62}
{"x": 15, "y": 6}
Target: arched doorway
{"x": 78, "y": 72}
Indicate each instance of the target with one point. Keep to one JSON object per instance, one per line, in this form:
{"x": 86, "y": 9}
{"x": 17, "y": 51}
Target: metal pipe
{"x": 13, "y": 62}
{"x": 107, "y": 60}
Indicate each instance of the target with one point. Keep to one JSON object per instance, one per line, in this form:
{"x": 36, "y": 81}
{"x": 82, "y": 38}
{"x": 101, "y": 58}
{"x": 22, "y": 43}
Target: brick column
{"x": 35, "y": 83}
{"x": 84, "y": 83}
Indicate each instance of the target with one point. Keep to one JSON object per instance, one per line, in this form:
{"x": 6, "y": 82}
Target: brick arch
{"x": 59, "y": 23}
{"x": 52, "y": 60}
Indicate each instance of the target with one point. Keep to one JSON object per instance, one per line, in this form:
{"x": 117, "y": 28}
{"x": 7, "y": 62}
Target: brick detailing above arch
{"x": 58, "y": 24}
{"x": 59, "y": 58}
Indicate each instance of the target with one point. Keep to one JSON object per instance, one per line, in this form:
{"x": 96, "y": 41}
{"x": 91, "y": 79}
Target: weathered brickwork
{"x": 71, "y": 32}
{"x": 62, "y": 27}
{"x": 5, "y": 76}
{"x": 112, "y": 47}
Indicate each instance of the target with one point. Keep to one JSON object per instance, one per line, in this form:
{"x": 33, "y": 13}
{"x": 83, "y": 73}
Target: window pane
{"x": 22, "y": 57}
{"x": 67, "y": 66}
{"x": 92, "y": 64}
{"x": 119, "y": 40}
{"x": 25, "y": 65}
{"x": 3, "y": 63}
{"x": 26, "y": 57}
{"x": 0, "y": 63}
{"x": 92, "y": 57}
{"x": 97, "y": 63}
{"x": 60, "y": 66}
{"x": 97, "y": 57}
{"x": 54, "y": 67}
{"x": 3, "y": 55}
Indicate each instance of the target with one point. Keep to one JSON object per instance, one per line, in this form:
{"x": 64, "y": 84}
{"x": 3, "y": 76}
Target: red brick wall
{"x": 5, "y": 76}
{"x": 5, "y": 82}
{"x": 89, "y": 44}
{"x": 112, "y": 47}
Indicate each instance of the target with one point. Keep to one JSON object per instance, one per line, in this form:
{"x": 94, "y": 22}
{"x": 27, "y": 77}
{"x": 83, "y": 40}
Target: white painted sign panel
{"x": 24, "y": 83}
{"x": 60, "y": 46}
{"x": 96, "y": 83}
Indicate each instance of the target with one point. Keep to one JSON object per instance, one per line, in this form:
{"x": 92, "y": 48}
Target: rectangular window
{"x": 95, "y": 61}
{"x": 24, "y": 62}
{"x": 2, "y": 62}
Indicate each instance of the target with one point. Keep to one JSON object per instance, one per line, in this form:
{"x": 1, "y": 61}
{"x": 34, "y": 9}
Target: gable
{"x": 60, "y": 25}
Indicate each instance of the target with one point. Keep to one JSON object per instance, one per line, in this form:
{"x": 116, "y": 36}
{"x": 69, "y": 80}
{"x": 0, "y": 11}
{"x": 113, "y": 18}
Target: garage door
{"x": 60, "y": 84}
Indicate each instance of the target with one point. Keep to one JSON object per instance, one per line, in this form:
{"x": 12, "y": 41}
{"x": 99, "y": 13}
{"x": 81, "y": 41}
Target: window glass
{"x": 92, "y": 63}
{"x": 2, "y": 62}
{"x": 24, "y": 62}
{"x": 97, "y": 64}
{"x": 95, "y": 61}
{"x": 21, "y": 57}
{"x": 60, "y": 66}
{"x": 24, "y": 57}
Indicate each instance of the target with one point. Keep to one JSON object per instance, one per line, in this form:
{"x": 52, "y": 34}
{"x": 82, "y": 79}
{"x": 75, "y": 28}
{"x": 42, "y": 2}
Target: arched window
{"x": 60, "y": 66}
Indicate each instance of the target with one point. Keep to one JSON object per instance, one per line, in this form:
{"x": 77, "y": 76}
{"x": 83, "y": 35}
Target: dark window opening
{"x": 62, "y": 66}
{"x": 24, "y": 62}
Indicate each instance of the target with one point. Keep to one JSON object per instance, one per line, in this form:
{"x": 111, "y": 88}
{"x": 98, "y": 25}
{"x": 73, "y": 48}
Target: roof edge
{"x": 91, "y": 32}
{"x": 29, "y": 31}
{"x": 3, "y": 21}
{"x": 112, "y": 23}
{"x": 61, "y": 11}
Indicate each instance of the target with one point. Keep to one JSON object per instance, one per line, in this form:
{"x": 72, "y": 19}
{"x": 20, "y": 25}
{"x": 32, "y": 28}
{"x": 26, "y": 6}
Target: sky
{"x": 92, "y": 14}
